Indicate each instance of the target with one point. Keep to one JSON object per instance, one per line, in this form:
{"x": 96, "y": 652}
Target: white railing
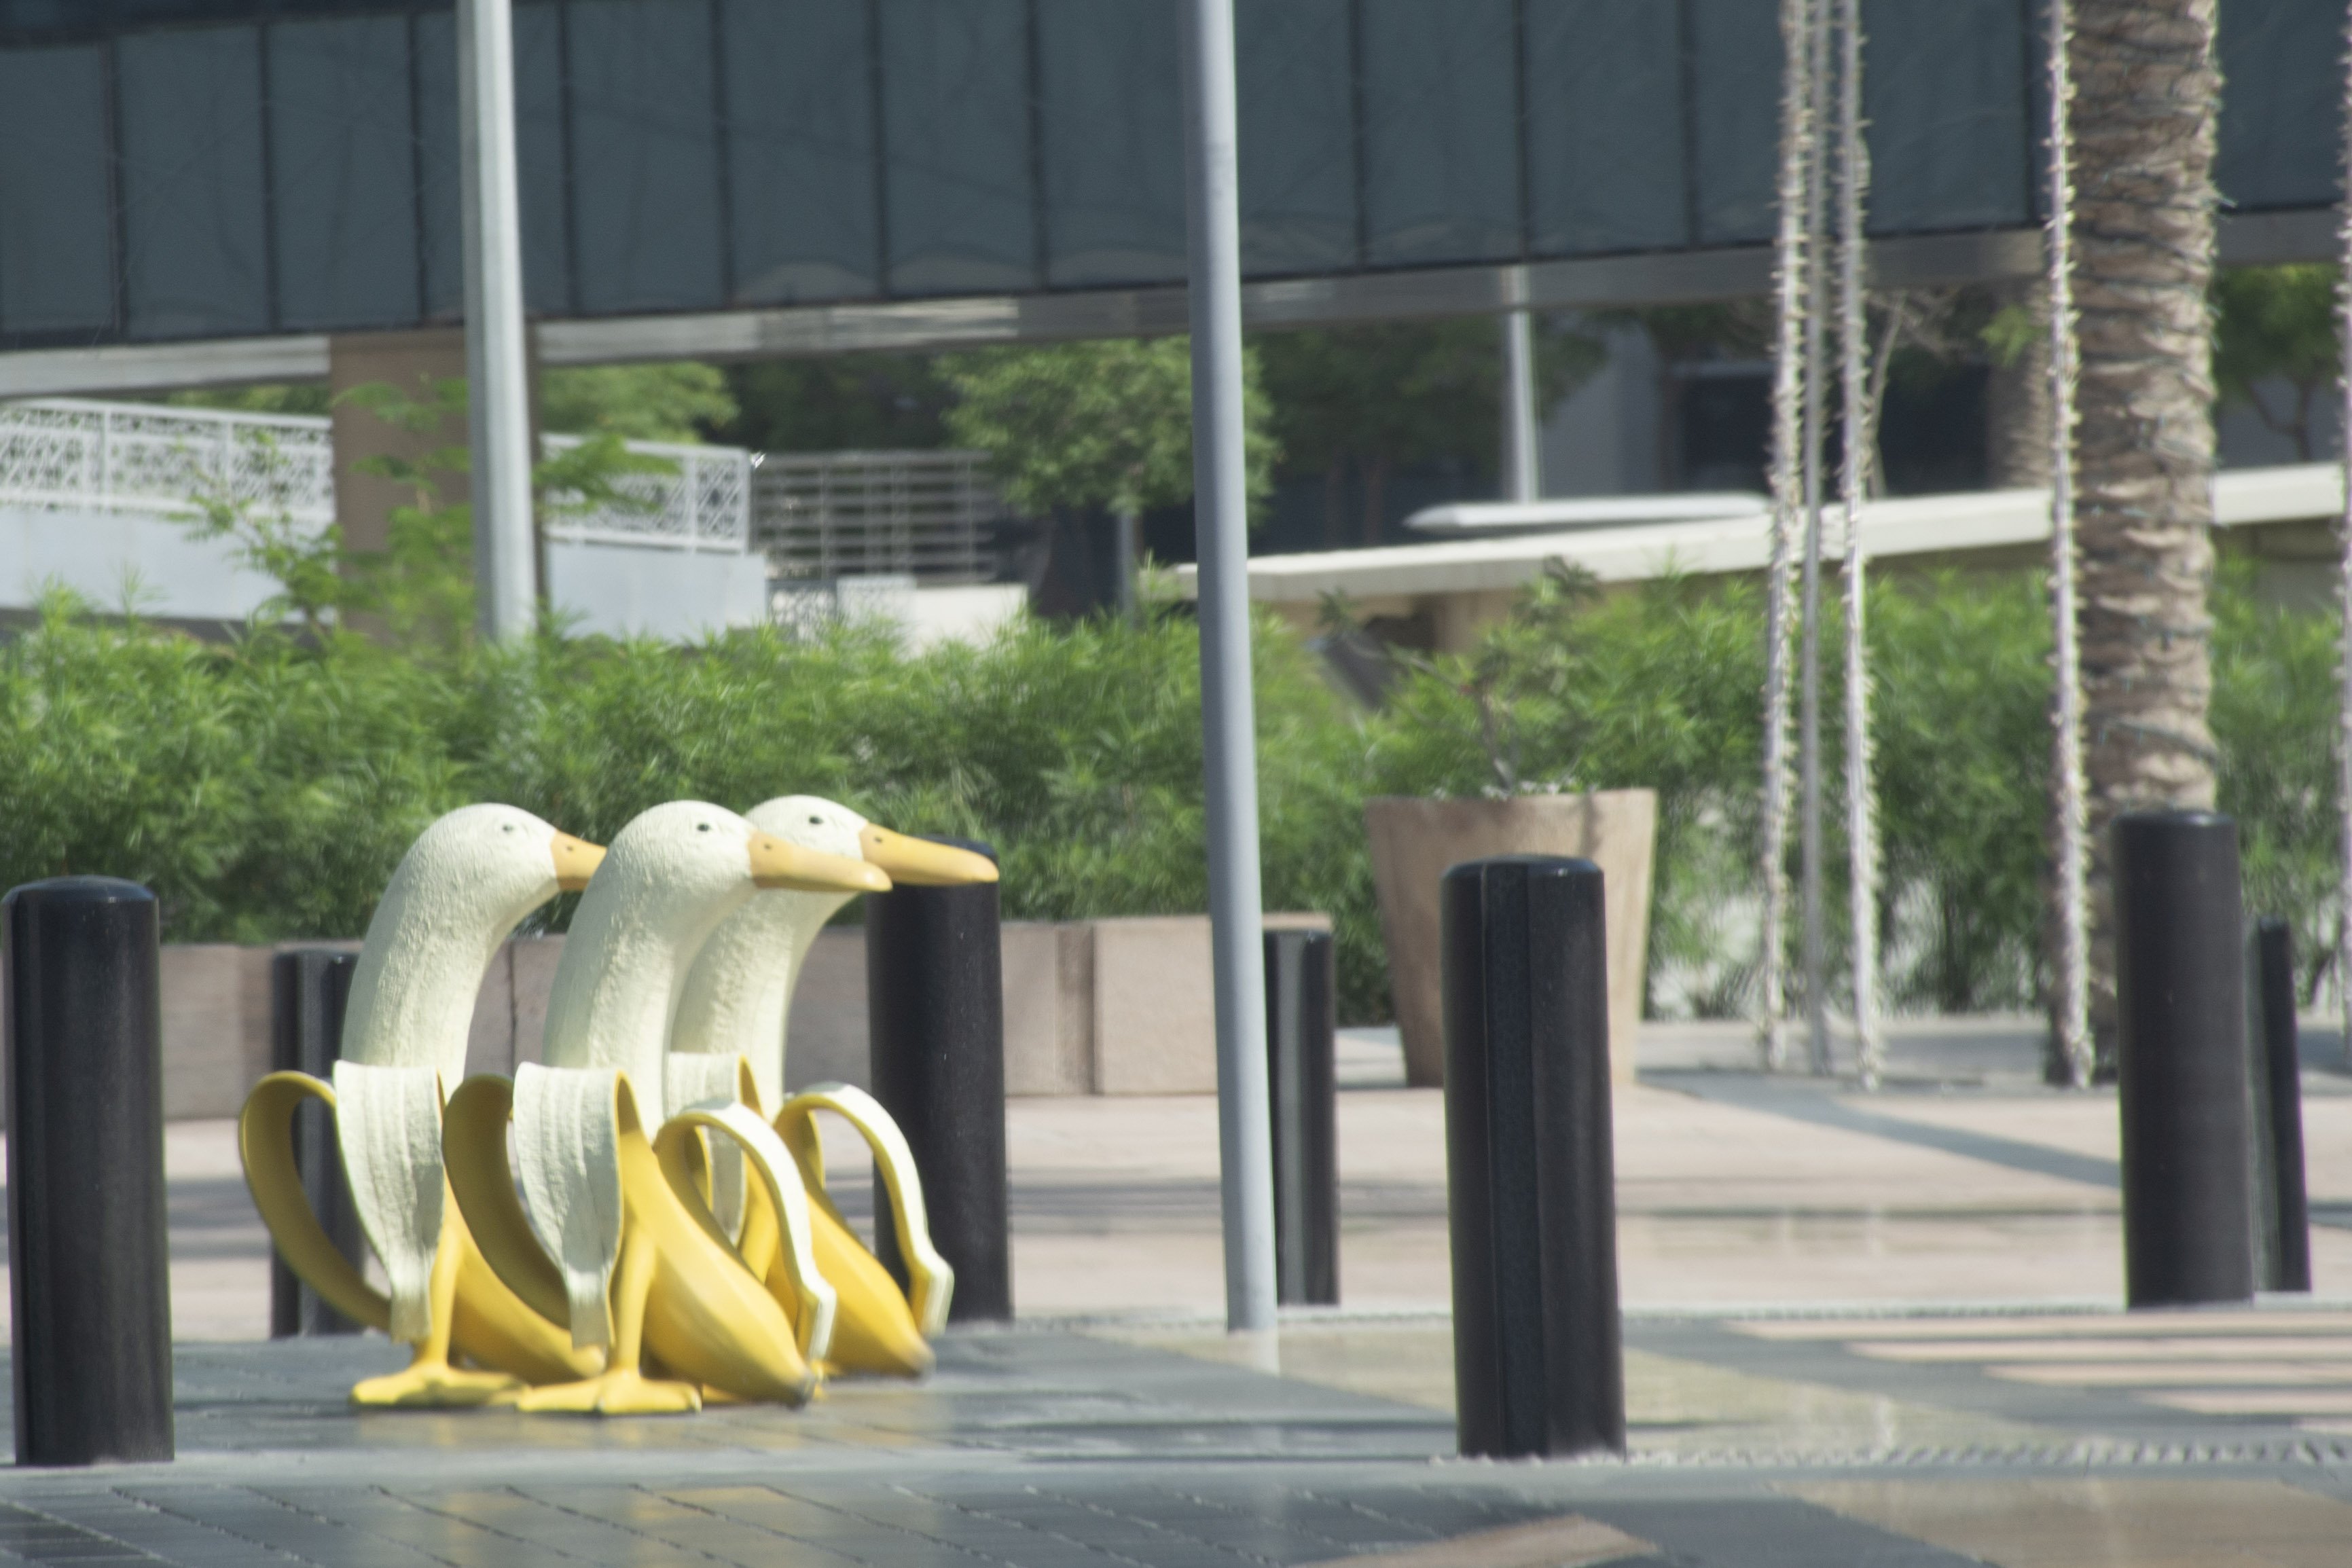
{"x": 706, "y": 504}
{"x": 76, "y": 454}
{"x": 925, "y": 515}
{"x": 71, "y": 454}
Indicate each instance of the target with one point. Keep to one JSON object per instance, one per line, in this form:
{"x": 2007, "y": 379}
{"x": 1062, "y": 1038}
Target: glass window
{"x": 800, "y": 150}
{"x": 440, "y": 189}
{"x": 956, "y": 146}
{"x": 191, "y": 197}
{"x": 56, "y": 265}
{"x": 341, "y": 160}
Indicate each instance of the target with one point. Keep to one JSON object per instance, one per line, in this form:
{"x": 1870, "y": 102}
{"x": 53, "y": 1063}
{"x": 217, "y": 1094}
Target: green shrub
{"x": 265, "y": 790}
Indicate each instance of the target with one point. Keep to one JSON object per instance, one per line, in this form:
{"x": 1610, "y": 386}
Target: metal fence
{"x": 76, "y": 454}
{"x": 930, "y": 515}
{"x": 73, "y": 455}
{"x": 705, "y": 505}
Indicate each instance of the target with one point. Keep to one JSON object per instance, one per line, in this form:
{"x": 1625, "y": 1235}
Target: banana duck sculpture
{"x": 734, "y": 1006}
{"x": 461, "y": 889}
{"x": 616, "y": 1242}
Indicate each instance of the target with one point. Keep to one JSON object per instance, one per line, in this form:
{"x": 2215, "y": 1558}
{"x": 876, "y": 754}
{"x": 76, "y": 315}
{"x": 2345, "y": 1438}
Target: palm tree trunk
{"x": 2145, "y": 93}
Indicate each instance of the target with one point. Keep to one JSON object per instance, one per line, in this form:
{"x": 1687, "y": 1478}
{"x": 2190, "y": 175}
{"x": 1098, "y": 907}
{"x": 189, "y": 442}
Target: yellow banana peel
{"x": 878, "y": 1329}
{"x": 474, "y": 1315}
{"x": 681, "y": 1297}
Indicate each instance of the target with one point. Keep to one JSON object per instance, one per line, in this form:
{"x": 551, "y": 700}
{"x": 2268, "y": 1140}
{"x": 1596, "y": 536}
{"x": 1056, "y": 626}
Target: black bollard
{"x": 308, "y": 988}
{"x": 2274, "y": 1080}
{"x": 90, "y": 1272}
{"x": 1532, "y": 1184}
{"x": 2180, "y": 976}
{"x": 1301, "y": 1042}
{"x": 935, "y": 1002}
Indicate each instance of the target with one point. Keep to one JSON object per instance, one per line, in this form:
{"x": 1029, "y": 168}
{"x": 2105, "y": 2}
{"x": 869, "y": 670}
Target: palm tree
{"x": 2146, "y": 95}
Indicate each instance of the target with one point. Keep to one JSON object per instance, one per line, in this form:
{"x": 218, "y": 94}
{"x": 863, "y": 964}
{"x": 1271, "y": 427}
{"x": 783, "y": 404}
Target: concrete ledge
{"x": 1091, "y": 1007}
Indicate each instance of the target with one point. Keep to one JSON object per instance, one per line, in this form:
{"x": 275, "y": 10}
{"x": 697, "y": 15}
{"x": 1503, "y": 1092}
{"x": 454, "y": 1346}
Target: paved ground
{"x": 1861, "y": 1330}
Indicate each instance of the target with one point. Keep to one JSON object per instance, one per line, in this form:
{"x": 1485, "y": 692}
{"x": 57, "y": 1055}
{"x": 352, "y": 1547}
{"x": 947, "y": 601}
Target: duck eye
{"x": 817, "y": 821}
{"x": 702, "y": 827}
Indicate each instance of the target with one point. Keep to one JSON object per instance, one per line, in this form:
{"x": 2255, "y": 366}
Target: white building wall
{"x": 119, "y": 560}
{"x": 621, "y": 591}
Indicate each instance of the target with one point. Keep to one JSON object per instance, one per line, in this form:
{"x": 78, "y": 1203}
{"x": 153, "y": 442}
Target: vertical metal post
{"x": 1522, "y": 462}
{"x": 1122, "y": 528}
{"x": 307, "y": 989}
{"x": 2181, "y": 978}
{"x": 1229, "y": 739}
{"x": 1300, "y": 990}
{"x": 90, "y": 1282}
{"x": 1538, "y": 1366}
{"x": 2275, "y": 1076}
{"x": 935, "y": 995}
{"x": 1809, "y": 678}
{"x": 506, "y": 559}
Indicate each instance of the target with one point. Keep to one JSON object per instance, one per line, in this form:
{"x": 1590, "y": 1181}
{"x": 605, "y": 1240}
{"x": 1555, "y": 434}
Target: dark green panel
{"x": 1441, "y": 132}
{"x": 192, "y": 195}
{"x": 1114, "y": 141}
{"x": 1944, "y": 94}
{"x": 1605, "y": 151}
{"x": 800, "y": 150}
{"x": 957, "y": 163}
{"x": 2282, "y": 109}
{"x": 440, "y": 191}
{"x": 646, "y": 229}
{"x": 543, "y": 170}
{"x": 1298, "y": 136}
{"x": 1735, "y": 117}
{"x": 56, "y": 272}
{"x": 342, "y": 172}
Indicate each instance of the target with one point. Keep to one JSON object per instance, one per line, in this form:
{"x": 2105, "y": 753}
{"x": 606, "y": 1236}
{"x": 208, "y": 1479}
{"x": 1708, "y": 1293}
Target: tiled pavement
{"x": 1770, "y": 1442}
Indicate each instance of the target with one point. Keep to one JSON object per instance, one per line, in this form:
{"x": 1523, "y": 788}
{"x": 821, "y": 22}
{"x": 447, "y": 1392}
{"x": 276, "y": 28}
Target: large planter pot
{"x": 1413, "y": 842}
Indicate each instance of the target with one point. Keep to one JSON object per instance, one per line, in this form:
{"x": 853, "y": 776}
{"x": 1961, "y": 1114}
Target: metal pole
{"x": 2180, "y": 1090}
{"x": 506, "y": 576}
{"x": 1522, "y": 465}
{"x": 90, "y": 1279}
{"x": 309, "y": 988}
{"x": 1538, "y": 1362}
{"x": 1229, "y": 743}
{"x": 1300, "y": 989}
{"x": 935, "y": 995}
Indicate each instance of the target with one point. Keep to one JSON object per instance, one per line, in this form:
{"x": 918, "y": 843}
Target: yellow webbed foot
{"x": 624, "y": 1392}
{"x": 432, "y": 1383}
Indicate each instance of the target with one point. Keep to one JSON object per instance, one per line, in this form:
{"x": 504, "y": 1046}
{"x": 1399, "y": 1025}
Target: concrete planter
{"x": 1413, "y": 842}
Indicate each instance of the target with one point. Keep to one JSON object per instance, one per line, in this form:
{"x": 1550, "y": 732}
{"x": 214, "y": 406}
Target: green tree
{"x": 2276, "y": 323}
{"x": 1074, "y": 426}
{"x": 1374, "y": 400}
{"x": 846, "y": 403}
{"x": 675, "y": 401}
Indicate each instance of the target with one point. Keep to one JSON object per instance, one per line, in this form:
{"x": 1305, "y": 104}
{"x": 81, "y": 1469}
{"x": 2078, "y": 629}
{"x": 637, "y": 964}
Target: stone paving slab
{"x": 1047, "y": 1449}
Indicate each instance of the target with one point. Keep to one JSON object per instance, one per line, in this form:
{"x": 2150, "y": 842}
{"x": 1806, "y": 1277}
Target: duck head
{"x": 670, "y": 877}
{"x": 461, "y": 889}
{"x": 738, "y": 995}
